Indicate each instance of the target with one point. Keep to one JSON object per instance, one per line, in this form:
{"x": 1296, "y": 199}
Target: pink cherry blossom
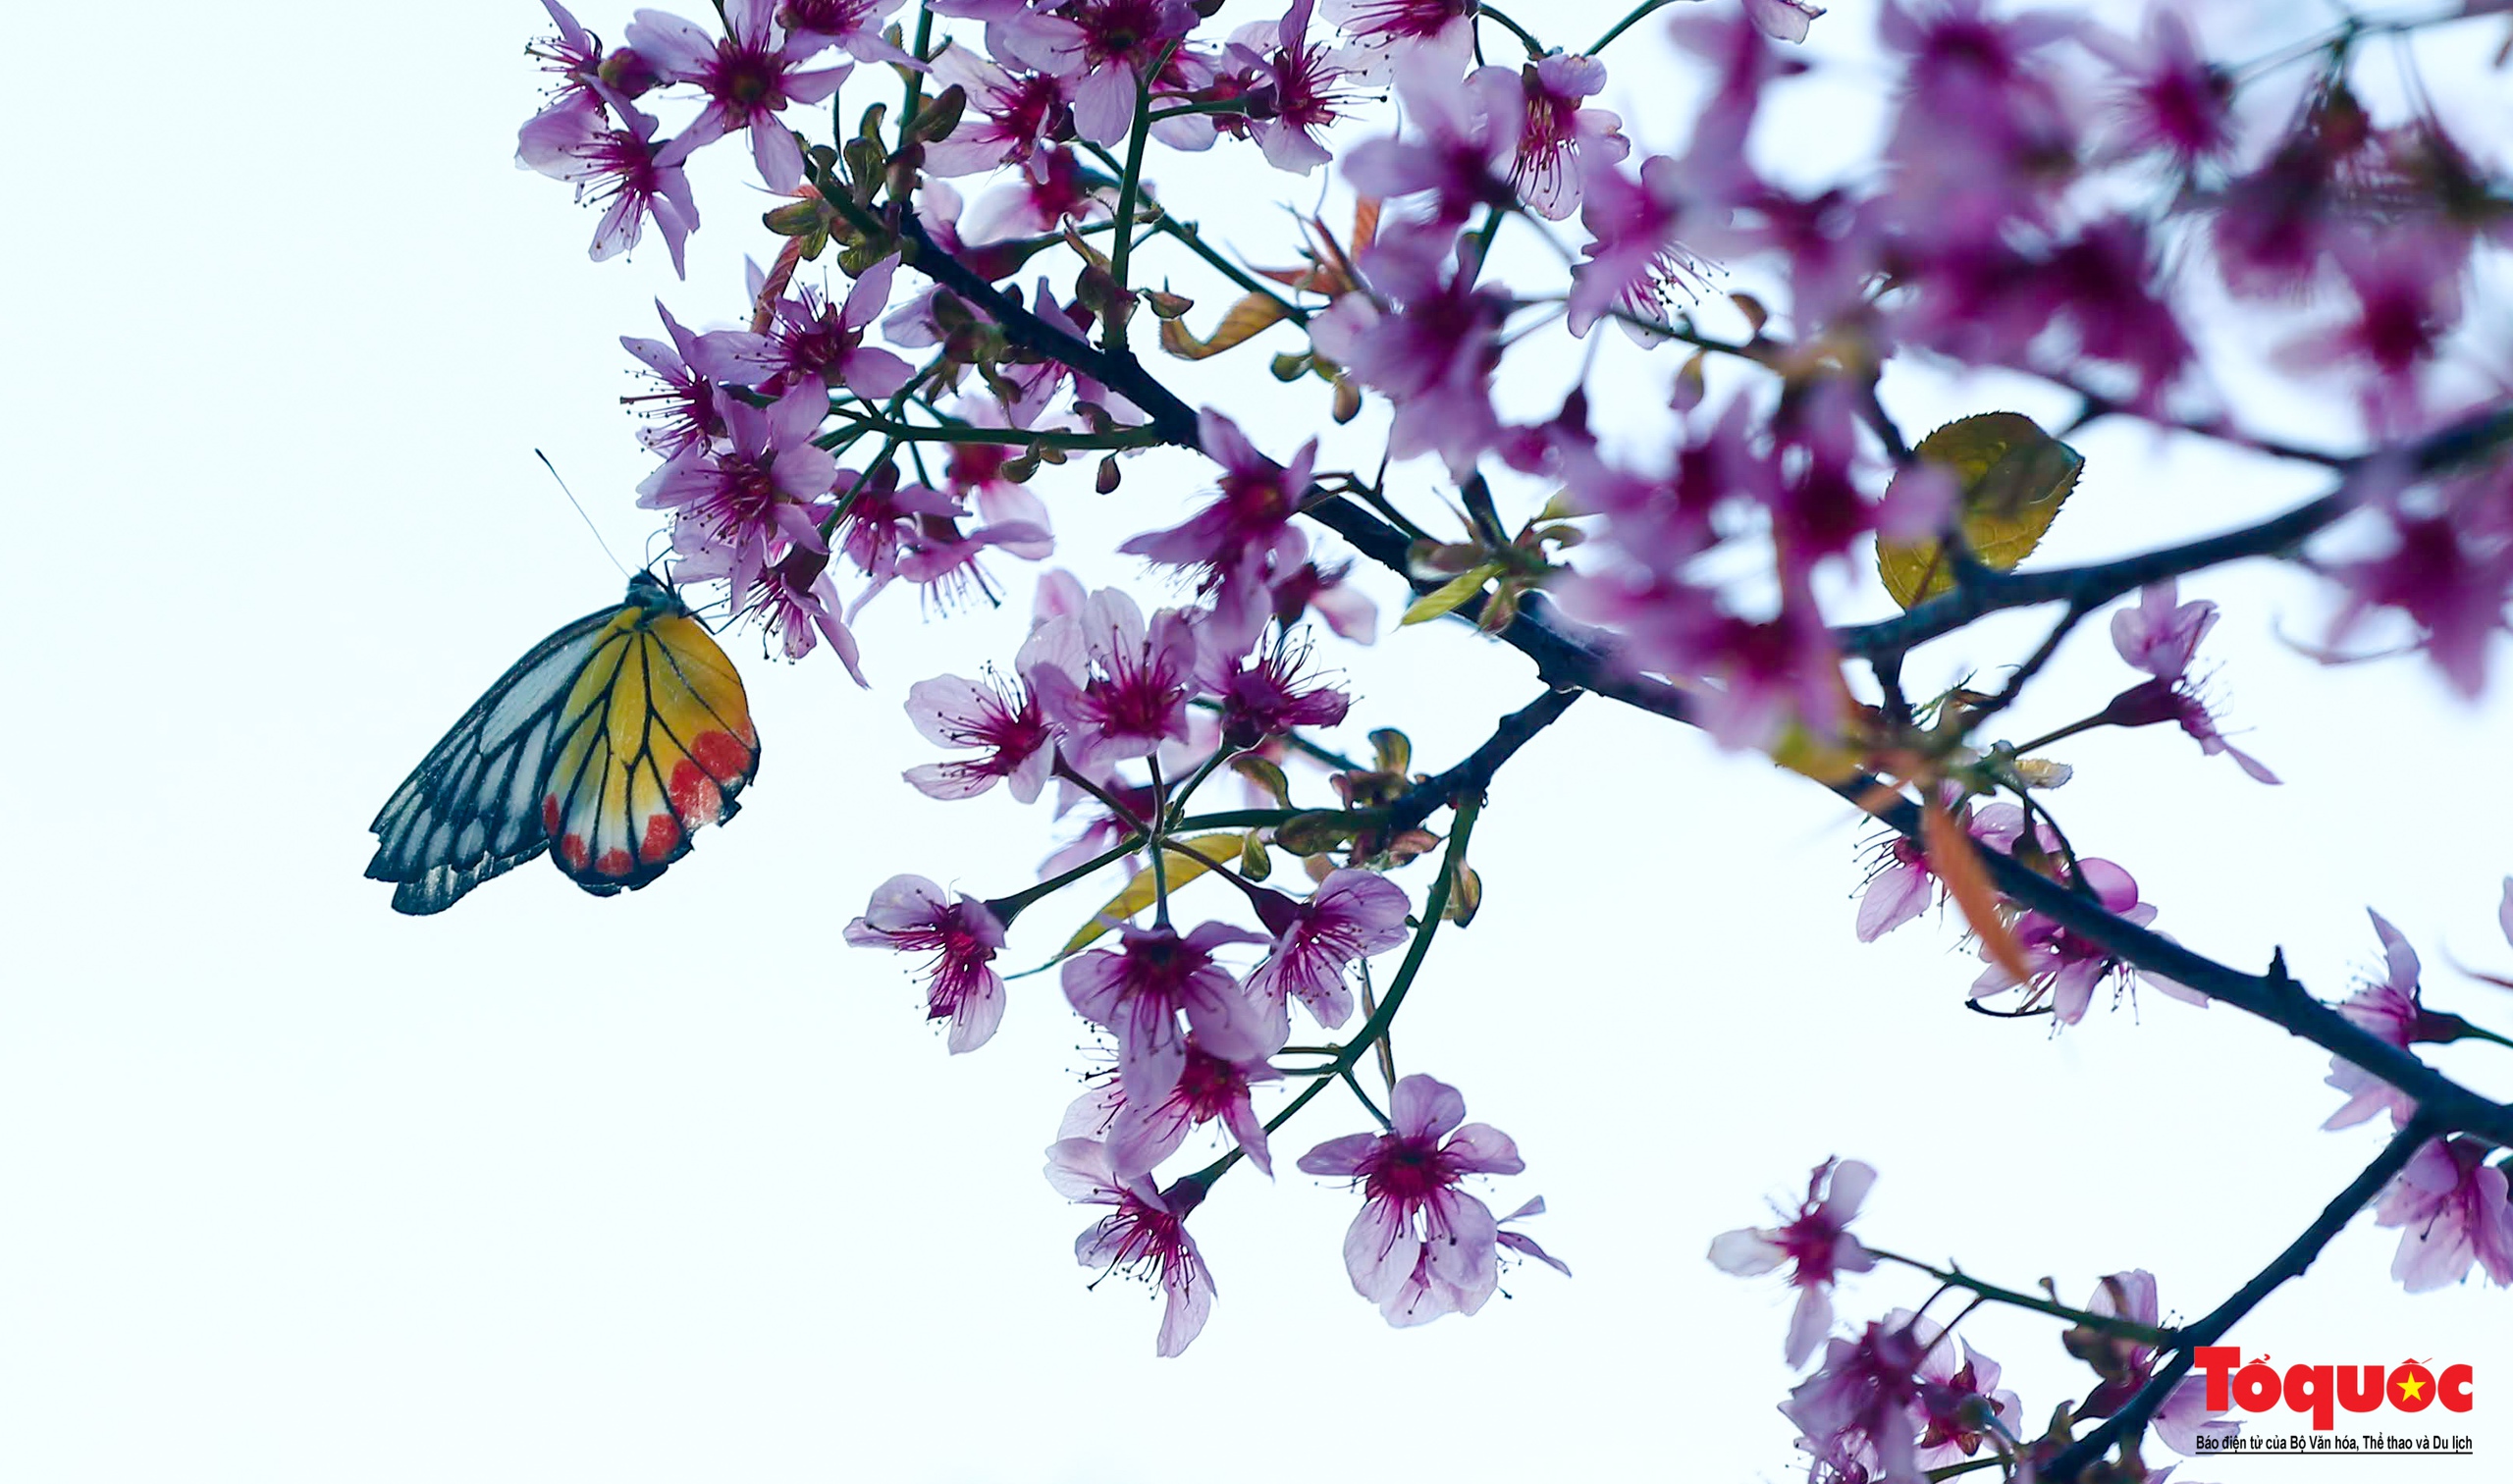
{"x": 1981, "y": 117}
{"x": 1211, "y": 1089}
{"x": 2389, "y": 1010}
{"x": 2065, "y": 969}
{"x": 1146, "y": 1235}
{"x": 683, "y": 411}
{"x": 2171, "y": 98}
{"x": 1327, "y": 592}
{"x": 1009, "y": 120}
{"x": 2127, "y": 1366}
{"x": 1351, "y": 915}
{"x": 748, "y": 76}
{"x": 757, "y": 496}
{"x": 1463, "y": 133}
{"x": 1560, "y": 142}
{"x": 1135, "y": 696}
{"x": 1859, "y": 1413}
{"x": 1814, "y": 1242}
{"x": 911, "y": 915}
{"x": 1961, "y": 1407}
{"x": 1102, "y": 49}
{"x": 1634, "y": 262}
{"x": 1239, "y": 539}
{"x": 574, "y": 56}
{"x": 853, "y": 27}
{"x": 1296, "y": 89}
{"x": 1421, "y": 1246}
{"x": 812, "y": 340}
{"x": 2160, "y": 636}
{"x": 1431, "y": 352}
{"x": 886, "y": 519}
{"x": 1398, "y": 27}
{"x": 1899, "y": 889}
{"x": 1264, "y": 695}
{"x": 621, "y": 170}
{"x": 793, "y": 601}
{"x": 1783, "y": 19}
{"x": 996, "y": 717}
{"x": 1525, "y": 1246}
{"x": 2448, "y": 577}
{"x": 2453, "y": 1208}
{"x": 1140, "y": 991}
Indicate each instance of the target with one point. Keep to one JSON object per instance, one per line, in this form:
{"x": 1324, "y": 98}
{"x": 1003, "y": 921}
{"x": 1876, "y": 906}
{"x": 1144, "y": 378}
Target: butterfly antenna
{"x": 580, "y": 511}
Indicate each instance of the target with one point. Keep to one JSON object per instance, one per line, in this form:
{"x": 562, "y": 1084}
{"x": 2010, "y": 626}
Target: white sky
{"x": 675, "y": 1186}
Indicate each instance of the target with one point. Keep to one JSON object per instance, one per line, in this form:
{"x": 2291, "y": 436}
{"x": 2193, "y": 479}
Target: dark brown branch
{"x": 2274, "y": 996}
{"x": 1116, "y": 369}
{"x": 2299, "y": 1255}
{"x": 2089, "y": 587}
{"x": 1473, "y": 775}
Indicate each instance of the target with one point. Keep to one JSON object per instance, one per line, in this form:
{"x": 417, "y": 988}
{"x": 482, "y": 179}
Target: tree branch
{"x": 2089, "y": 587}
{"x": 1473, "y": 775}
{"x": 2299, "y": 1255}
{"x": 2274, "y": 996}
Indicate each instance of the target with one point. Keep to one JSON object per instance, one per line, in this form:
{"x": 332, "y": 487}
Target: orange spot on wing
{"x": 694, "y": 795}
{"x": 721, "y": 754}
{"x": 572, "y": 850}
{"x": 613, "y": 861}
{"x": 663, "y": 832}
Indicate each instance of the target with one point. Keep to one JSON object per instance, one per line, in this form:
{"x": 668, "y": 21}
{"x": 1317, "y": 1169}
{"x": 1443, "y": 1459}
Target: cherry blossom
{"x": 2452, "y": 1206}
{"x": 623, "y": 170}
{"x": 1139, "y": 992}
{"x": 751, "y": 498}
{"x": 1421, "y": 1246}
{"x": 1814, "y": 1244}
{"x": 1351, "y": 915}
{"x": 2159, "y": 636}
{"x": 911, "y": 915}
{"x": 1145, "y": 1235}
{"x": 749, "y": 75}
{"x": 1239, "y": 539}
{"x": 1135, "y": 696}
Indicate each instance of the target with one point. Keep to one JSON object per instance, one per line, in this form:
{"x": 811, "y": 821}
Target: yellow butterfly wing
{"x": 655, "y": 741}
{"x": 647, "y": 714}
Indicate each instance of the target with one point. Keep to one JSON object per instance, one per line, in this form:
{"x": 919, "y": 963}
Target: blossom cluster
{"x": 2047, "y": 199}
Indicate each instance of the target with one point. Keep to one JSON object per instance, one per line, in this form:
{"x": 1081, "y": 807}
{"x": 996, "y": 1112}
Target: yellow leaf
{"x": 1247, "y": 317}
{"x": 1826, "y": 760}
{"x": 2013, "y": 478}
{"x": 1448, "y": 595}
{"x": 1141, "y": 892}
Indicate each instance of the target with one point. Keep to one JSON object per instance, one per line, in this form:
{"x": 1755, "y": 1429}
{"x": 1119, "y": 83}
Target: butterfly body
{"x": 605, "y": 745}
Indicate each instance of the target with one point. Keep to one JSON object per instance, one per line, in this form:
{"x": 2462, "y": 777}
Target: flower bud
{"x": 934, "y": 122}
{"x": 628, "y": 74}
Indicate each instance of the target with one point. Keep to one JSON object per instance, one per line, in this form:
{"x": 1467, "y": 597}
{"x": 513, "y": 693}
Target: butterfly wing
{"x": 471, "y": 810}
{"x": 653, "y": 741}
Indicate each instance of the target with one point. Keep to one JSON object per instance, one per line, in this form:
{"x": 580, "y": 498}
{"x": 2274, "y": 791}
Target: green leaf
{"x": 1445, "y": 598}
{"x": 2014, "y": 479}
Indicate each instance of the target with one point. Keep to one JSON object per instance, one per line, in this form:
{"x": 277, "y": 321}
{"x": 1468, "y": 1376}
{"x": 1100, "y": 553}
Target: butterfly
{"x": 607, "y": 744}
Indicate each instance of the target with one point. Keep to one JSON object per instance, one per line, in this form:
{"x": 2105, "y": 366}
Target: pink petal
{"x": 1424, "y": 1107}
